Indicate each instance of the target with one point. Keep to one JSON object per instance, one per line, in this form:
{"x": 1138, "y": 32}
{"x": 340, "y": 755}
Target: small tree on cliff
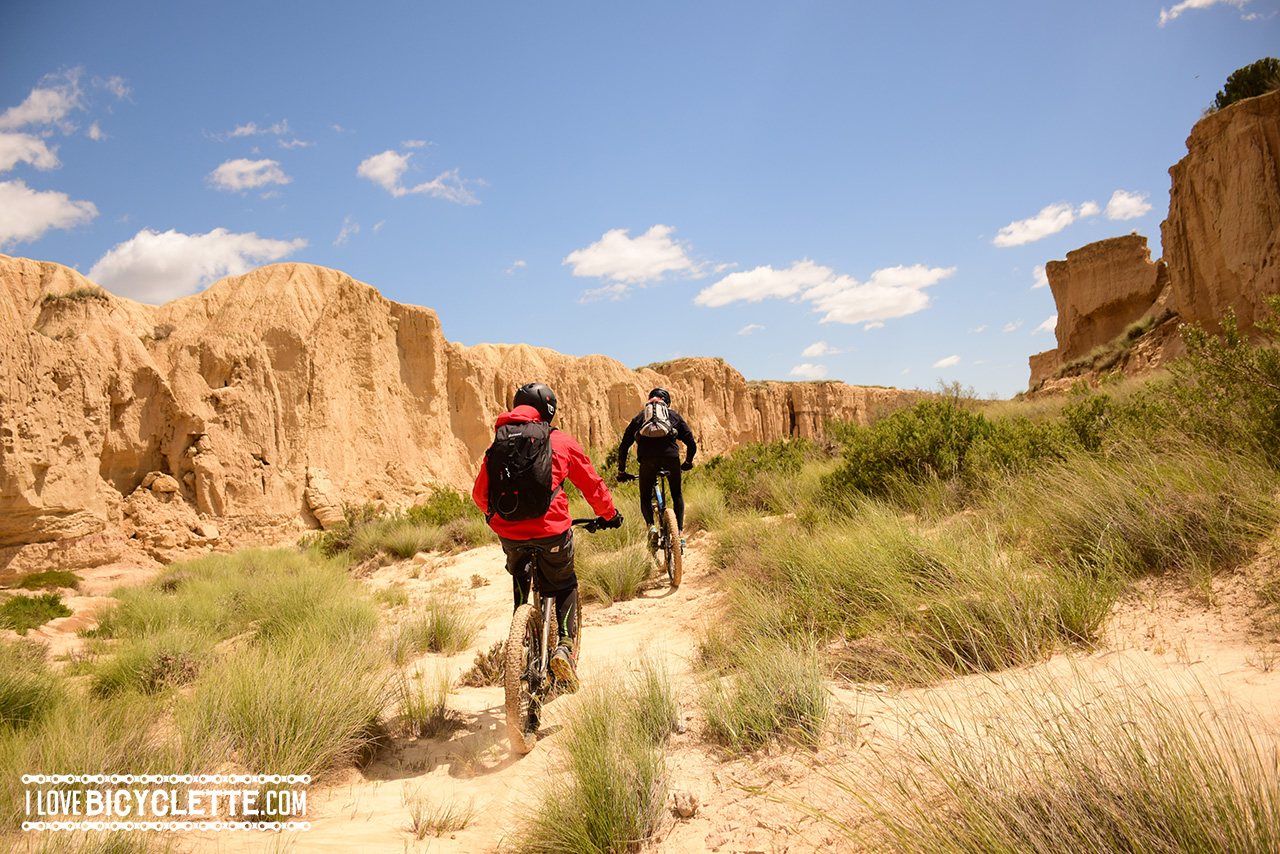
{"x": 1257, "y": 79}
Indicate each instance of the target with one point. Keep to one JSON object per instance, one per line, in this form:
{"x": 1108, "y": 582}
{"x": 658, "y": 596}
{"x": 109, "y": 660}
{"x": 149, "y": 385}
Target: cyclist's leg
{"x": 558, "y": 581}
{"x": 677, "y": 495}
{"x": 520, "y": 560}
{"x": 648, "y": 477}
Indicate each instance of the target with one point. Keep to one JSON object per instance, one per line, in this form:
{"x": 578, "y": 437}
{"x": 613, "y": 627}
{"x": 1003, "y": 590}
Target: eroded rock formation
{"x": 1221, "y": 244}
{"x": 1222, "y": 236}
{"x": 272, "y": 398}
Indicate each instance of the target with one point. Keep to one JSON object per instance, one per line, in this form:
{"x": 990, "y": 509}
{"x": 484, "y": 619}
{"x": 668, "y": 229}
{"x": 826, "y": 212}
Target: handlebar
{"x": 595, "y": 523}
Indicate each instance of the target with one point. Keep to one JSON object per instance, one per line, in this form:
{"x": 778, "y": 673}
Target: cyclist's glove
{"x": 687, "y": 466}
{"x": 615, "y": 522}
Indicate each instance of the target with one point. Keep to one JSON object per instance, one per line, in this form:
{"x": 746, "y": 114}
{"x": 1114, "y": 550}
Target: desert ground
{"x": 1198, "y": 643}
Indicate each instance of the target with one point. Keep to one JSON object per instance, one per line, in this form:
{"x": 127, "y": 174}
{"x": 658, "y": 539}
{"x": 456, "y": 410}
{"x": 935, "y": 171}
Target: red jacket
{"x": 567, "y": 460}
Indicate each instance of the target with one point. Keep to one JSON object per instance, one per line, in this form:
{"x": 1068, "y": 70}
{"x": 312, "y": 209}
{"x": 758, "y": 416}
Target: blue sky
{"x": 862, "y": 191}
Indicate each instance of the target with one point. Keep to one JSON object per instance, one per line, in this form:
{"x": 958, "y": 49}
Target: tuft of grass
{"x": 887, "y": 600}
{"x": 771, "y": 693}
{"x": 81, "y": 293}
{"x": 324, "y": 714}
{"x": 436, "y": 819}
{"x": 1144, "y": 510}
{"x": 614, "y": 576}
{"x": 151, "y": 663}
{"x": 444, "y": 625}
{"x": 28, "y": 690}
{"x": 610, "y": 793}
{"x": 1082, "y": 768}
{"x": 488, "y": 668}
{"x": 52, "y": 579}
{"x": 394, "y": 596}
{"x": 423, "y": 703}
{"x": 23, "y": 613}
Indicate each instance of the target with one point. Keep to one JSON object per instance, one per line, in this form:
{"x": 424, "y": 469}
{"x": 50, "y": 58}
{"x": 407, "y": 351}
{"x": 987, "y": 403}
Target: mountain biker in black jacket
{"x": 654, "y": 454}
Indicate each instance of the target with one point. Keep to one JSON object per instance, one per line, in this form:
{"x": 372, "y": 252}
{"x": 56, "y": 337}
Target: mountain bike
{"x": 668, "y": 540}
{"x": 527, "y": 675}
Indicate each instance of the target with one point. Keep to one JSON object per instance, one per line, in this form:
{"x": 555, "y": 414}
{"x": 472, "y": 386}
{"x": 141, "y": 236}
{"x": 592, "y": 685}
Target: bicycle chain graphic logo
{"x": 171, "y": 802}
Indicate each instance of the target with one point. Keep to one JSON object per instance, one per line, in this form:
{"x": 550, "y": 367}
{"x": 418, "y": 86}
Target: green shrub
{"x": 744, "y": 475}
{"x": 424, "y": 711}
{"x": 82, "y": 293}
{"x": 444, "y": 625}
{"x": 444, "y": 506}
{"x": 488, "y": 668}
{"x": 1228, "y": 391}
{"x": 1259, "y": 78}
{"x": 52, "y": 579}
{"x": 22, "y": 613}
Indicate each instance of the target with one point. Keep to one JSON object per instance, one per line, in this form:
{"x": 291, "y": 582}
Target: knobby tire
{"x": 674, "y": 558}
{"x": 524, "y": 651}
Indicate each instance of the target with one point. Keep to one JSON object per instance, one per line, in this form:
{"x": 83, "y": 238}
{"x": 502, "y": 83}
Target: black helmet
{"x": 662, "y": 393}
{"x": 539, "y": 396}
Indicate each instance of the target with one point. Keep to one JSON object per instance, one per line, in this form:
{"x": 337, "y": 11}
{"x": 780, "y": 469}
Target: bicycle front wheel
{"x": 522, "y": 679}
{"x": 675, "y": 555}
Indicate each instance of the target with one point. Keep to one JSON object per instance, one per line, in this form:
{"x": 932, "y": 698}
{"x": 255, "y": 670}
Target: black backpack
{"x": 519, "y": 466}
{"x": 657, "y": 420}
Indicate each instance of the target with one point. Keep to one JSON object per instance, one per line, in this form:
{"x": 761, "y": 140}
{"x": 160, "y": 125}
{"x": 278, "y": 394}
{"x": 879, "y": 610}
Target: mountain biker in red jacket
{"x": 654, "y": 454}
{"x": 548, "y": 539}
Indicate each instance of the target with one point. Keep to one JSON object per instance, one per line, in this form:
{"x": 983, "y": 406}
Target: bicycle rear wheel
{"x": 675, "y": 555}
{"x": 521, "y": 677}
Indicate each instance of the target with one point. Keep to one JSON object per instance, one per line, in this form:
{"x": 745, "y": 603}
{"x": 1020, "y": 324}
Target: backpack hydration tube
{"x": 657, "y": 420}
{"x": 519, "y": 466}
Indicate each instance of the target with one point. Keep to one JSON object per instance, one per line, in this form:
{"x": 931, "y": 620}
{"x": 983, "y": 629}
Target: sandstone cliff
{"x": 1221, "y": 244}
{"x": 273, "y": 397}
{"x": 1222, "y": 235}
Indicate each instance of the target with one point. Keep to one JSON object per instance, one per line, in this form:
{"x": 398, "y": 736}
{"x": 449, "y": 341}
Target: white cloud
{"x": 750, "y": 328}
{"x": 720, "y": 268}
{"x": 18, "y": 148}
{"x": 516, "y": 266}
{"x": 891, "y": 292}
{"x": 26, "y": 214}
{"x": 947, "y": 362}
{"x": 242, "y": 174}
{"x": 1011, "y": 327}
{"x": 116, "y": 86}
{"x": 1124, "y": 205}
{"x": 1041, "y": 277}
{"x": 763, "y": 283}
{"x": 252, "y": 129}
{"x": 413, "y": 143}
{"x": 387, "y": 168}
{"x": 808, "y": 371}
{"x": 821, "y": 348}
{"x": 1167, "y": 15}
{"x": 293, "y": 143}
{"x": 642, "y": 260}
{"x": 48, "y": 104}
{"x": 612, "y": 292}
{"x": 1050, "y": 325}
{"x": 95, "y": 133}
{"x": 348, "y": 228}
{"x": 982, "y": 328}
{"x": 876, "y": 325}
{"x": 153, "y": 267}
{"x": 1050, "y": 220}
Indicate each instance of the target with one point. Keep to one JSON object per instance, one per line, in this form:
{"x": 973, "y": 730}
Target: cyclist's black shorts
{"x": 553, "y": 557}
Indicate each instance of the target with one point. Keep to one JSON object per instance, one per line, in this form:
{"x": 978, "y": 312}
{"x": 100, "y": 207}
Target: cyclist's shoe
{"x": 562, "y": 666}
{"x": 653, "y": 537}
{"x": 682, "y": 544}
